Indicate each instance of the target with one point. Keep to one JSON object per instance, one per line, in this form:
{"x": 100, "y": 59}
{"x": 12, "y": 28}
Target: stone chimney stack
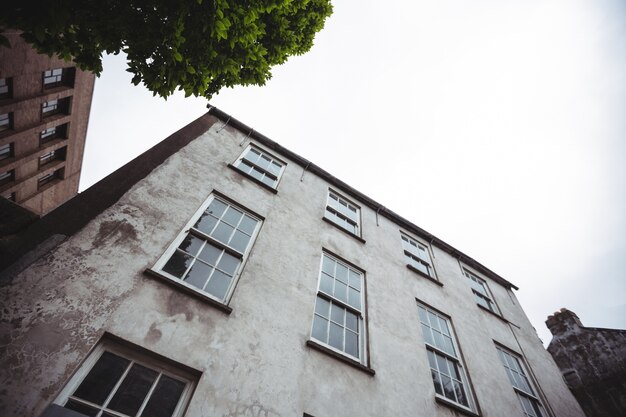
{"x": 563, "y": 321}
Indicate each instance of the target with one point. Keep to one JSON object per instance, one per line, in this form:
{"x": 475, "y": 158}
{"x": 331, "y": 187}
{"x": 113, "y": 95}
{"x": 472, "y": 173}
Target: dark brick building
{"x": 593, "y": 363}
{"x": 44, "y": 110}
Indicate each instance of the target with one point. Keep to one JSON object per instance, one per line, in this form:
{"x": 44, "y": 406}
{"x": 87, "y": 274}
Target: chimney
{"x": 563, "y": 321}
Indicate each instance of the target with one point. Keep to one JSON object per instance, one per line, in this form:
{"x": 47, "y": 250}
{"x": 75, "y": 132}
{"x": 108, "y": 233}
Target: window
{"x": 58, "y": 76}
{"x": 51, "y": 107}
{"x": 417, "y": 256}
{"x": 446, "y": 367}
{"x": 53, "y": 133}
{"x": 208, "y": 255}
{"x": 10, "y": 196}
{"x": 6, "y": 121}
{"x": 261, "y": 166}
{"x": 531, "y": 406}
{"x": 118, "y": 381}
{"x": 338, "y": 321}
{"x": 6, "y": 151}
{"x": 57, "y": 154}
{"x": 481, "y": 292}
{"x": 7, "y": 176}
{"x": 6, "y": 88}
{"x": 343, "y": 213}
{"x": 48, "y": 178}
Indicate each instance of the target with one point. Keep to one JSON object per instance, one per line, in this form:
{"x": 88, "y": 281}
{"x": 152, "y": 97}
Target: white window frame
{"x": 456, "y": 358}
{"x": 265, "y": 153}
{"x": 412, "y": 256}
{"x": 488, "y": 297}
{"x": 520, "y": 392}
{"x": 158, "y": 267}
{"x": 137, "y": 357}
{"x": 361, "y": 314}
{"x": 349, "y": 203}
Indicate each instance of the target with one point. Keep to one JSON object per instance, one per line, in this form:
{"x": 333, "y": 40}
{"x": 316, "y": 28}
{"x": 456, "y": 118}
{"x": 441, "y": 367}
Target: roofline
{"x": 342, "y": 186}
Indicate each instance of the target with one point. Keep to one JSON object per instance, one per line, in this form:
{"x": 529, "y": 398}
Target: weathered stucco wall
{"x": 254, "y": 361}
{"x": 593, "y": 362}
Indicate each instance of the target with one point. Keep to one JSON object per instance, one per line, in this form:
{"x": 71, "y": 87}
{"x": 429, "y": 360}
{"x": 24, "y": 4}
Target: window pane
{"x": 165, "y": 397}
{"x": 131, "y": 394}
{"x": 81, "y": 408}
{"x": 354, "y": 298}
{"x": 191, "y": 244}
{"x": 428, "y": 337}
{"x": 320, "y": 328}
{"x": 341, "y": 291}
{"x": 448, "y": 389}
{"x": 247, "y": 225}
{"x": 219, "y": 284}
{"x": 460, "y": 393}
{"x": 336, "y": 336}
{"x": 337, "y": 314}
{"x": 178, "y": 264}
{"x": 99, "y": 382}
{"x": 355, "y": 280}
{"x": 223, "y": 232}
{"x": 216, "y": 208}
{"x": 437, "y": 382}
{"x": 239, "y": 241}
{"x": 326, "y": 284}
{"x": 328, "y": 265}
{"x": 342, "y": 273}
{"x": 210, "y": 254}
{"x": 431, "y": 359}
{"x": 206, "y": 223}
{"x": 228, "y": 263}
{"x": 352, "y": 344}
{"x": 268, "y": 180}
{"x": 198, "y": 274}
{"x": 322, "y": 307}
{"x": 232, "y": 216}
{"x": 352, "y": 321}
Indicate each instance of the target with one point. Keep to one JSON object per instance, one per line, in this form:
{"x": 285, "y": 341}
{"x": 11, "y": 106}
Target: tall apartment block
{"x": 44, "y": 111}
{"x": 221, "y": 275}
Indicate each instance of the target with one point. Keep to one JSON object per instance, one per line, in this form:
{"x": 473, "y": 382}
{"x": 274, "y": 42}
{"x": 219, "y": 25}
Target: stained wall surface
{"x": 592, "y": 361}
{"x": 255, "y": 361}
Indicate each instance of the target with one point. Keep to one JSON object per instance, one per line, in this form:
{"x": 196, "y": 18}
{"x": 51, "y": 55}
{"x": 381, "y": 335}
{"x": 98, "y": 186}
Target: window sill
{"x": 251, "y": 178}
{"x": 359, "y": 238}
{"x": 317, "y": 346}
{"x": 446, "y": 402}
{"x": 418, "y": 272}
{"x": 492, "y": 313}
{"x": 220, "y": 306}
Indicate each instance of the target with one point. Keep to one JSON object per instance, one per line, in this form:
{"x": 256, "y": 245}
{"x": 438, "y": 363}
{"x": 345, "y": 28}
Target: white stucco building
{"x": 219, "y": 274}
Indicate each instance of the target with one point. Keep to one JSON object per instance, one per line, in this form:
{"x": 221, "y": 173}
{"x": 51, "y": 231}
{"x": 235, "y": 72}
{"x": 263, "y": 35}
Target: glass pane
{"x": 352, "y": 321}
{"x": 191, "y": 244}
{"x": 328, "y": 265}
{"x": 99, "y": 382}
{"x": 205, "y": 223}
{"x": 439, "y": 340}
{"x": 274, "y": 168}
{"x": 342, "y": 273}
{"x": 228, "y": 263}
{"x": 337, "y": 314}
{"x": 216, "y": 208}
{"x": 269, "y": 180}
{"x": 256, "y": 173}
{"x": 322, "y": 307}
{"x": 239, "y": 241}
{"x": 354, "y": 298}
{"x": 355, "y": 280}
{"x": 444, "y": 326}
{"x": 163, "y": 400}
{"x": 320, "y": 328}
{"x": 335, "y": 338}
{"x": 247, "y": 225}
{"x": 264, "y": 162}
{"x": 222, "y": 232}
{"x": 431, "y": 359}
{"x": 131, "y": 394}
{"x": 341, "y": 291}
{"x": 437, "y": 382}
{"x": 454, "y": 370}
{"x": 232, "y": 216}
{"x": 448, "y": 389}
{"x": 210, "y": 254}
{"x": 428, "y": 336}
{"x": 198, "y": 274}
{"x": 326, "y": 283}
{"x": 219, "y": 284}
{"x": 448, "y": 346}
{"x": 422, "y": 314}
{"x": 460, "y": 393}
{"x": 81, "y": 408}
{"x": 442, "y": 364}
{"x": 352, "y": 344}
{"x": 433, "y": 320}
{"x": 178, "y": 263}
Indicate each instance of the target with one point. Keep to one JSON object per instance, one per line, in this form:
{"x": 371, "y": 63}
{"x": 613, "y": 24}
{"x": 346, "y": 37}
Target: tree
{"x": 198, "y": 46}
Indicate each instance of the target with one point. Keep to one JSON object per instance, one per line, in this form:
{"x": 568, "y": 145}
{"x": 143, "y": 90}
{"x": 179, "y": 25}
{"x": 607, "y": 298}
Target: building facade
{"x": 44, "y": 111}
{"x": 593, "y": 363}
{"x": 220, "y": 274}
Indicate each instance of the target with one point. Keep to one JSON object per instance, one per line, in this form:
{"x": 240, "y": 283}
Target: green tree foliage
{"x": 198, "y": 46}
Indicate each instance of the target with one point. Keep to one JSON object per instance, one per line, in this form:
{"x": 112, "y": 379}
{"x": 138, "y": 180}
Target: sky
{"x": 497, "y": 125}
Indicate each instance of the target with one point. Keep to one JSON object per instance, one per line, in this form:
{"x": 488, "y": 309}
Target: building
{"x": 44, "y": 110}
{"x": 593, "y": 363}
{"x": 220, "y": 274}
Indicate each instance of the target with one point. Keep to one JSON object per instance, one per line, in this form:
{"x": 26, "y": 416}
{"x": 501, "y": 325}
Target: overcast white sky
{"x": 499, "y": 126}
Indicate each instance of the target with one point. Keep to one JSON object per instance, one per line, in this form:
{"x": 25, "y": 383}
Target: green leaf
{"x": 178, "y": 57}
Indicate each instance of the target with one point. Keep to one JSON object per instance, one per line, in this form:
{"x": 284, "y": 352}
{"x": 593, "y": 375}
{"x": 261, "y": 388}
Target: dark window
{"x": 10, "y": 196}
{"x": 7, "y": 176}
{"x": 6, "y": 121}
{"x": 6, "y": 88}
{"x": 6, "y": 151}
{"x": 55, "y": 155}
{"x": 58, "y": 76}
{"x": 53, "y": 133}
{"x": 52, "y": 107}
{"x": 48, "y": 178}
